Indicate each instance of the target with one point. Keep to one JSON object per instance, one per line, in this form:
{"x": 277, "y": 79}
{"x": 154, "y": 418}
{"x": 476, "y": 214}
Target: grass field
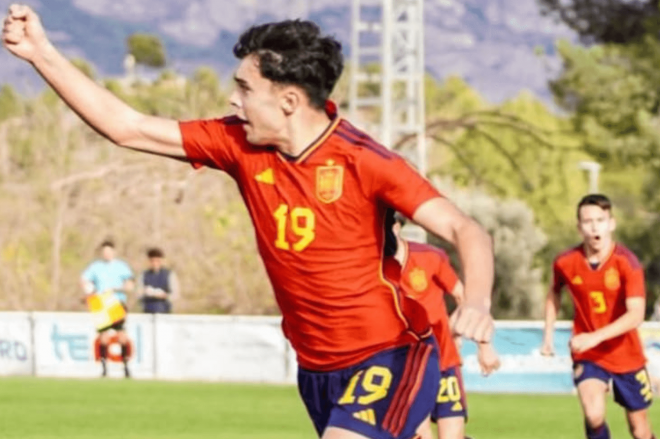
{"x": 32, "y": 408}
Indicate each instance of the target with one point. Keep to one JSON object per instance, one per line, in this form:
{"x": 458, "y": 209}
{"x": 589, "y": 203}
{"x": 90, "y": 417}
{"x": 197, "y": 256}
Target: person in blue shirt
{"x": 110, "y": 274}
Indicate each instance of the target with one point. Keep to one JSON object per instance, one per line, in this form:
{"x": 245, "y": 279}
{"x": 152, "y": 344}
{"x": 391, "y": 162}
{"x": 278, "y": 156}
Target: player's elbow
{"x": 472, "y": 230}
{"x": 636, "y": 308}
{"x": 127, "y": 131}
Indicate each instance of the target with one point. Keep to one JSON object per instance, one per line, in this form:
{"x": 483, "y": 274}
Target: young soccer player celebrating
{"x": 606, "y": 282}
{"x": 424, "y": 273}
{"x": 316, "y": 189}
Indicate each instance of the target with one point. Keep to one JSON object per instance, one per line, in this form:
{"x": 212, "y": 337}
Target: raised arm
{"x": 24, "y": 36}
{"x": 441, "y": 217}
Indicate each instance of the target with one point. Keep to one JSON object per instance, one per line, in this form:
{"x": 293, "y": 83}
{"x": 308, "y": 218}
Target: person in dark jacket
{"x": 158, "y": 286}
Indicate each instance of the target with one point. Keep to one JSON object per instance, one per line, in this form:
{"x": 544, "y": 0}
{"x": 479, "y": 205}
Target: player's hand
{"x": 472, "y": 322}
{"x": 583, "y": 342}
{"x": 489, "y": 361}
{"x": 547, "y": 349}
{"x": 22, "y": 32}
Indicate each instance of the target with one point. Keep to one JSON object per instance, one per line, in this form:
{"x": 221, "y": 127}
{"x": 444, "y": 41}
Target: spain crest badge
{"x": 329, "y": 182}
{"x": 612, "y": 279}
{"x": 418, "y": 280}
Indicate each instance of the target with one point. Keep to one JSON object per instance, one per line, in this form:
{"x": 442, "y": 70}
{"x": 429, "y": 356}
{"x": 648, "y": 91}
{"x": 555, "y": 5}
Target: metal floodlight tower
{"x": 387, "y": 75}
{"x": 388, "y": 36}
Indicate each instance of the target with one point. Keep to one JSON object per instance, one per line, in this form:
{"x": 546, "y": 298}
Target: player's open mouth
{"x": 596, "y": 238}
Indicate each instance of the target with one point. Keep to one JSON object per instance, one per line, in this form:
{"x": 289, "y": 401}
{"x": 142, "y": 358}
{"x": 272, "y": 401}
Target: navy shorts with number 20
{"x": 385, "y": 397}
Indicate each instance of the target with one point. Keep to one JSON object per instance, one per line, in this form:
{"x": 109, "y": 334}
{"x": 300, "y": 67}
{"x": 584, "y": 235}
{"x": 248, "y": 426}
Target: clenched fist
{"x": 472, "y": 322}
{"x": 22, "y": 32}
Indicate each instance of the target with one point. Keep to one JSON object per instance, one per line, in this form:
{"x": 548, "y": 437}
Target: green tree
{"x": 605, "y": 21}
{"x": 518, "y": 149}
{"x": 148, "y": 50}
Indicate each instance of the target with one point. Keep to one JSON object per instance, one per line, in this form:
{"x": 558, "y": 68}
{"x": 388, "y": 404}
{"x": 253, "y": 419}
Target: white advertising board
{"x": 16, "y": 355}
{"x": 220, "y": 348}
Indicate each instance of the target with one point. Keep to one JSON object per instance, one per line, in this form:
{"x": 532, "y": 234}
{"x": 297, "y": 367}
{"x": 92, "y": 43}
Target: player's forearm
{"x": 627, "y": 322}
{"x": 551, "y": 311}
{"x": 475, "y": 248}
{"x": 98, "y": 107}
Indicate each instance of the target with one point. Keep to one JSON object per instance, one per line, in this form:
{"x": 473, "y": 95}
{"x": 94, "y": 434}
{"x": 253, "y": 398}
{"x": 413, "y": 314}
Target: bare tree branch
{"x": 473, "y": 171}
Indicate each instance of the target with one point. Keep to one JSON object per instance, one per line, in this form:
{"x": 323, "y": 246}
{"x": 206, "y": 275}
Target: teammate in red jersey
{"x": 424, "y": 273}
{"x": 317, "y": 190}
{"x": 606, "y": 282}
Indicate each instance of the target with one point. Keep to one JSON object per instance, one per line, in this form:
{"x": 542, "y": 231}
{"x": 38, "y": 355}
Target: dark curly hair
{"x": 294, "y": 52}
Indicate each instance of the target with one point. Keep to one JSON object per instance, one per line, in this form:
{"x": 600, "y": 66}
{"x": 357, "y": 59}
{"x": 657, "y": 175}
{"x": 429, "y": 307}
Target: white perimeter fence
{"x": 252, "y": 349}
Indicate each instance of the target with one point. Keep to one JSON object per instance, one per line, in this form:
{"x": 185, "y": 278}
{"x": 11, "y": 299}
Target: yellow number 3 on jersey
{"x": 598, "y": 302}
{"x": 303, "y": 225}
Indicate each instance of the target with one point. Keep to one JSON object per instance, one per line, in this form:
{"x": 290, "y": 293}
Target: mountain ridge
{"x": 490, "y": 43}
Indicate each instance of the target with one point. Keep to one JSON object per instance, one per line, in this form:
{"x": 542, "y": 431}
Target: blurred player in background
{"x": 317, "y": 190}
{"x": 424, "y": 273}
{"x": 606, "y": 282}
{"x": 104, "y": 275}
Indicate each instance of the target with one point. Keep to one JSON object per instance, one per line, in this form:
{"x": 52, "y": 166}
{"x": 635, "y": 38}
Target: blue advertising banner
{"x": 525, "y": 370}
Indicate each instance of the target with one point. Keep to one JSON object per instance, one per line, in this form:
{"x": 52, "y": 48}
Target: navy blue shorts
{"x": 632, "y": 390}
{"x": 451, "y": 401}
{"x": 385, "y": 397}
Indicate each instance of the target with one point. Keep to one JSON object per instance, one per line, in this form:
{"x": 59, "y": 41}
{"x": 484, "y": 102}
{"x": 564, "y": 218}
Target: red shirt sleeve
{"x": 558, "y": 281}
{"x": 214, "y": 143}
{"x": 445, "y": 276}
{"x": 633, "y": 277}
{"x": 392, "y": 180}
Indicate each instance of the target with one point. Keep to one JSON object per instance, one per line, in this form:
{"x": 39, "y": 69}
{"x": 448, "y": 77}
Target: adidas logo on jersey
{"x": 368, "y": 416}
{"x": 266, "y": 176}
{"x": 577, "y": 280}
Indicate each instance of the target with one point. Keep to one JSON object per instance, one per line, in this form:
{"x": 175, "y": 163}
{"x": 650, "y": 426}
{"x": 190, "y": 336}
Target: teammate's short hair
{"x": 599, "y": 200}
{"x": 294, "y": 52}
{"x": 107, "y": 243}
{"x": 155, "y": 252}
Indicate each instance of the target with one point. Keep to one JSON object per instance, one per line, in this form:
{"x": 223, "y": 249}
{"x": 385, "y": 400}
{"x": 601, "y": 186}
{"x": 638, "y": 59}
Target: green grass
{"x": 33, "y": 408}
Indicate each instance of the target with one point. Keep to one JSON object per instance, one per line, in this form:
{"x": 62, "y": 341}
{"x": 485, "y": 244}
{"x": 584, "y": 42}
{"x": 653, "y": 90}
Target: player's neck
{"x": 303, "y": 130}
{"x": 598, "y": 256}
{"x": 400, "y": 254}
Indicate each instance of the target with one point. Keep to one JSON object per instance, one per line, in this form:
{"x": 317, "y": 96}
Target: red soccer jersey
{"x": 319, "y": 224}
{"x": 599, "y": 298}
{"x": 426, "y": 275}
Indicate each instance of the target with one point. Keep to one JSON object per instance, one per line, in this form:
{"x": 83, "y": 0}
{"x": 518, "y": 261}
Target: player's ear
{"x": 612, "y": 224}
{"x": 290, "y": 100}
